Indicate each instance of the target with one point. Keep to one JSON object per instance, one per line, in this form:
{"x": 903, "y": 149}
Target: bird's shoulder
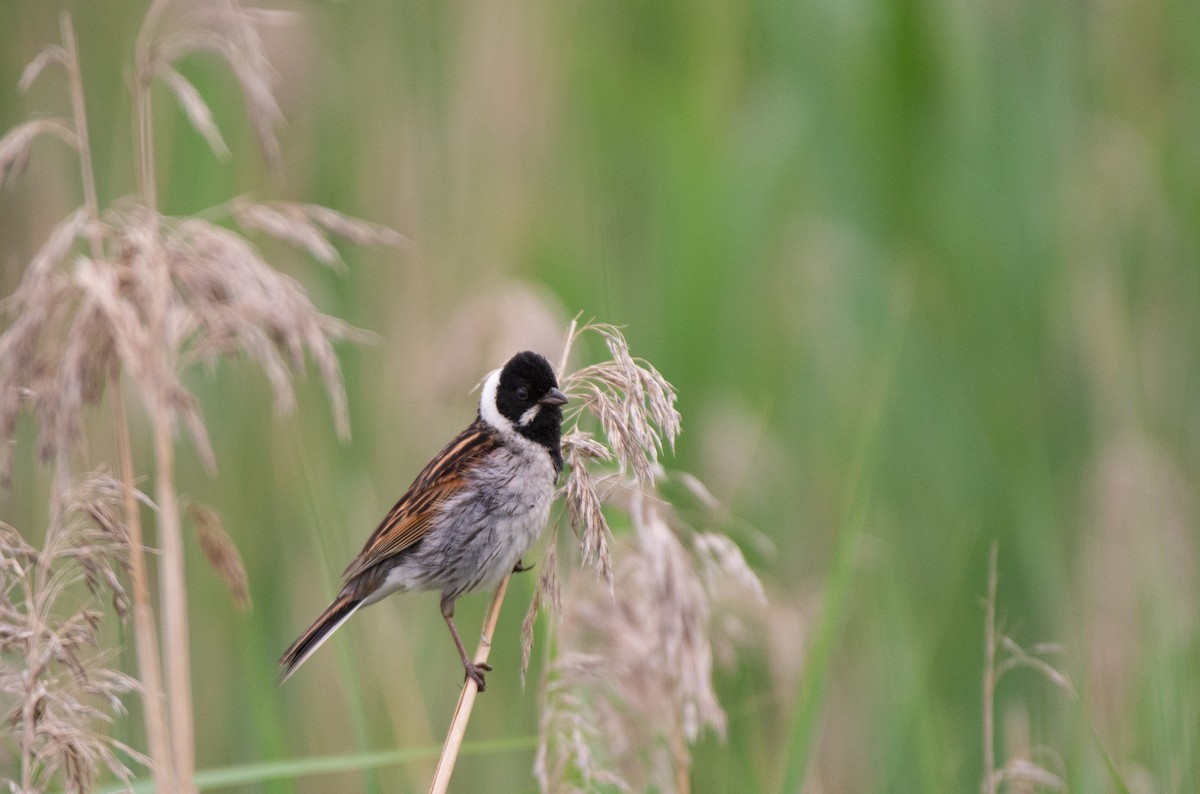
{"x": 412, "y": 516}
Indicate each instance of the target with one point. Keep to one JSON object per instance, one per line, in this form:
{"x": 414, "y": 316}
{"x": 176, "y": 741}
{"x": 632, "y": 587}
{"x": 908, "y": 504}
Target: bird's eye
{"x": 522, "y": 393}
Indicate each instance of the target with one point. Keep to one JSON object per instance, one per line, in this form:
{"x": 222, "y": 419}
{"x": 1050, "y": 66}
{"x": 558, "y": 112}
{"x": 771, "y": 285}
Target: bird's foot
{"x": 475, "y": 673}
{"x": 521, "y": 567}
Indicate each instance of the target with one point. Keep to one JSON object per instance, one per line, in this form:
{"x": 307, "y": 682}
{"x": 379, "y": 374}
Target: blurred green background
{"x": 926, "y": 274}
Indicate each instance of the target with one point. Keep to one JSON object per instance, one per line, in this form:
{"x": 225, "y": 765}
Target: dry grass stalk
{"x": 1003, "y": 654}
{"x": 154, "y": 295}
{"x": 466, "y": 699}
{"x": 989, "y": 677}
{"x": 54, "y": 687}
{"x": 154, "y": 713}
{"x": 1017, "y": 770}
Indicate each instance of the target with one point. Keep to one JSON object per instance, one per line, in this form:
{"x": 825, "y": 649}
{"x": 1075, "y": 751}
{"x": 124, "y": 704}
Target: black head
{"x": 527, "y": 400}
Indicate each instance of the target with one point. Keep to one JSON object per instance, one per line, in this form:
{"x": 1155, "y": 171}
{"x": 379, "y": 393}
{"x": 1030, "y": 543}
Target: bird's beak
{"x": 553, "y": 397}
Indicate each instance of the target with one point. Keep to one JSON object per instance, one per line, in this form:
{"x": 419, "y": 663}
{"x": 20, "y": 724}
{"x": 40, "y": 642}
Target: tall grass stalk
{"x": 1001, "y": 654}
{"x": 172, "y": 581}
{"x": 819, "y": 659}
{"x": 154, "y": 714}
{"x": 466, "y": 699}
{"x": 989, "y": 676}
{"x": 174, "y": 602}
{"x": 145, "y": 640}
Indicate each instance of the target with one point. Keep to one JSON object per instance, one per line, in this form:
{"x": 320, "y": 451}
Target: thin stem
{"x": 142, "y": 121}
{"x": 146, "y": 639}
{"x": 466, "y": 700}
{"x": 79, "y": 111}
{"x": 145, "y": 148}
{"x": 683, "y": 780}
{"x": 148, "y": 658}
{"x": 989, "y": 678}
{"x": 172, "y": 581}
{"x": 174, "y": 603}
{"x": 28, "y": 723}
{"x": 571, "y": 334}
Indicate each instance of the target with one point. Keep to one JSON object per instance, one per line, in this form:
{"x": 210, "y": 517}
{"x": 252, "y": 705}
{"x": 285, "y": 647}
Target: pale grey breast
{"x": 481, "y": 533}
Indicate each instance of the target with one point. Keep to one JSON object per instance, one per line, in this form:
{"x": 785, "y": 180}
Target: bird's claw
{"x": 475, "y": 673}
{"x": 521, "y": 567}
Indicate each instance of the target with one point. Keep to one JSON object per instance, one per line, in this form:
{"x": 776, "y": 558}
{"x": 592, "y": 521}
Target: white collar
{"x": 487, "y": 405}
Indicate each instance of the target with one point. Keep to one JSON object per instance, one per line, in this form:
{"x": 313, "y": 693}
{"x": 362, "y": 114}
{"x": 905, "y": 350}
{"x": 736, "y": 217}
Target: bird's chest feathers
{"x": 483, "y": 532}
{"x": 515, "y": 487}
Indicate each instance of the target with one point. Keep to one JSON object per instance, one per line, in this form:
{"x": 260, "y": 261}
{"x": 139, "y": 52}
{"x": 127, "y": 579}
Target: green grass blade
{"x": 289, "y": 769}
{"x": 817, "y": 666}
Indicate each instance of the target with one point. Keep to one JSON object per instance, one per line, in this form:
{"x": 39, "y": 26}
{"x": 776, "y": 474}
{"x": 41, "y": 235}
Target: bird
{"x": 469, "y": 517}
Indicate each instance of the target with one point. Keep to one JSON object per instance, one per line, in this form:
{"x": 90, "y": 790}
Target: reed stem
{"x": 158, "y": 739}
{"x": 173, "y": 593}
{"x": 145, "y": 636}
{"x": 172, "y": 574}
{"x": 466, "y": 700}
{"x": 989, "y": 678}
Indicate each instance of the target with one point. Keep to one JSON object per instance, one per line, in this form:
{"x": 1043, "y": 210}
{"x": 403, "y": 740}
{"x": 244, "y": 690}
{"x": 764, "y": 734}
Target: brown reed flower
{"x": 55, "y": 692}
{"x": 221, "y": 553}
{"x": 630, "y": 684}
{"x": 634, "y": 406}
{"x": 224, "y": 28}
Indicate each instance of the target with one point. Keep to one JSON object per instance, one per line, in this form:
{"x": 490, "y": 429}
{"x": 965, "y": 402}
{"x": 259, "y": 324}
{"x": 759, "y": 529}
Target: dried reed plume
{"x": 635, "y": 408}
{"x": 631, "y": 684}
{"x": 145, "y": 296}
{"x": 221, "y": 553}
{"x": 56, "y": 693}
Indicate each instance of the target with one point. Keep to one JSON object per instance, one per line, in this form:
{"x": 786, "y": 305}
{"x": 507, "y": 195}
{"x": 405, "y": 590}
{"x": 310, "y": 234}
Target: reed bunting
{"x": 470, "y": 515}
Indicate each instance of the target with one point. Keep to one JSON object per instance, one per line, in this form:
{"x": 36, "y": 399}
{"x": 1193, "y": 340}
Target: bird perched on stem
{"x": 472, "y": 513}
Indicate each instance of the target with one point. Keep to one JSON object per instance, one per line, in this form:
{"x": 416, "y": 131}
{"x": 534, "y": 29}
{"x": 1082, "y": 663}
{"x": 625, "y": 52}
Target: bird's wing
{"x": 411, "y": 517}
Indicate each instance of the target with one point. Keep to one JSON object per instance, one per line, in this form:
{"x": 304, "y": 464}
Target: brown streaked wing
{"x": 410, "y": 518}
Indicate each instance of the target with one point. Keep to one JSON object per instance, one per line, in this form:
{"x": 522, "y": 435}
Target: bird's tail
{"x": 334, "y": 615}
